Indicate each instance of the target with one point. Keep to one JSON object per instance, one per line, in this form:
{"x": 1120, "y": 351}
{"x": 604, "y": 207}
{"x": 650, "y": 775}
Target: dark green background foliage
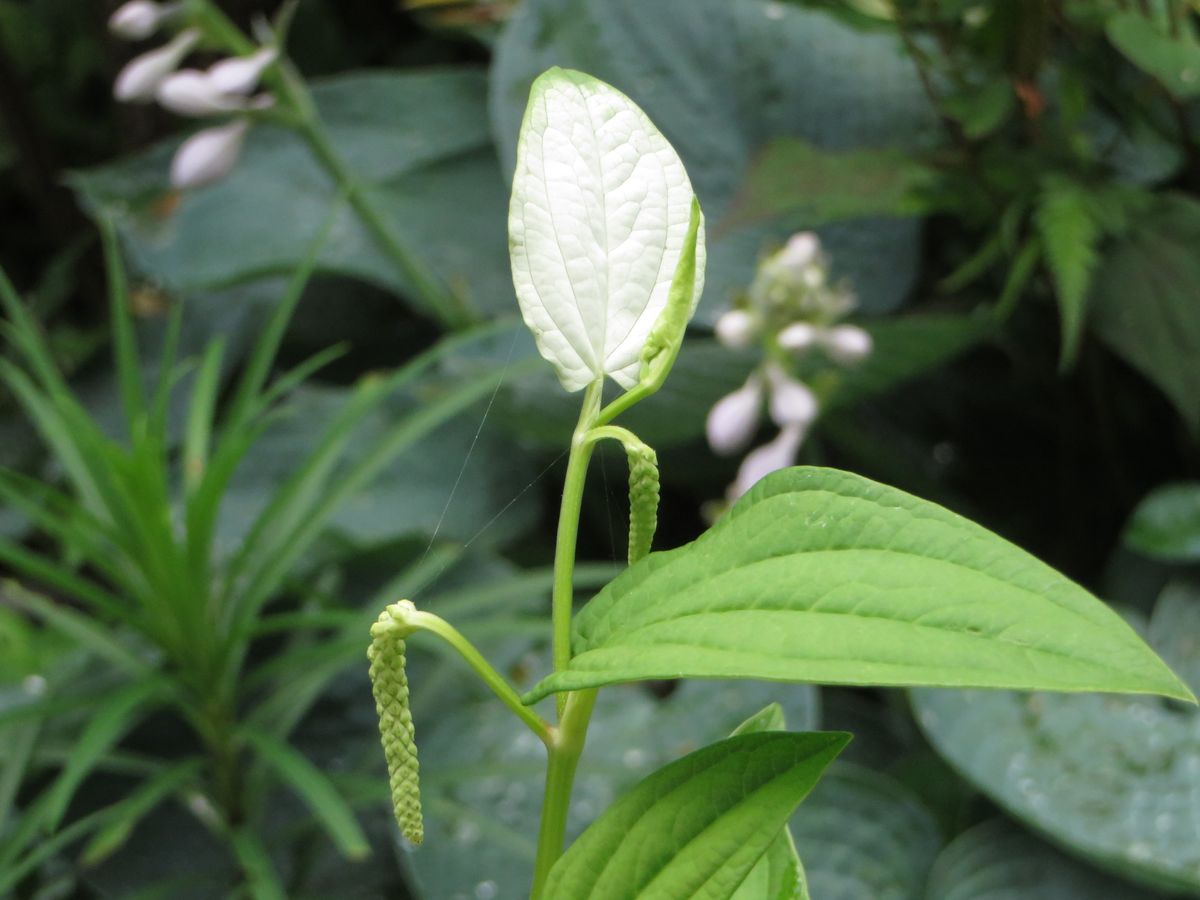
{"x": 1010, "y": 188}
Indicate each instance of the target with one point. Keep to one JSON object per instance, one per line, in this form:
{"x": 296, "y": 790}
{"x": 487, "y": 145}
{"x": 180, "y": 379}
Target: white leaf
{"x": 600, "y": 208}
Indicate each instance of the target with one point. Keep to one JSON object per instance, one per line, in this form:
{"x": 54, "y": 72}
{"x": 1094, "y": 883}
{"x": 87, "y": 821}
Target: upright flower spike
{"x": 598, "y": 223}
{"x": 389, "y": 684}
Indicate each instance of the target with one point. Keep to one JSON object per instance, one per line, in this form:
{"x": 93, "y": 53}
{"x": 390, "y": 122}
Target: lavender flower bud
{"x": 208, "y": 156}
{"x": 733, "y": 420}
{"x": 138, "y": 81}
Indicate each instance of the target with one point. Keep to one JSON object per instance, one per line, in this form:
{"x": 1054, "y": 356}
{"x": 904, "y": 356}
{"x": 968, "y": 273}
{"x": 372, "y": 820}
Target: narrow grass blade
{"x": 330, "y": 809}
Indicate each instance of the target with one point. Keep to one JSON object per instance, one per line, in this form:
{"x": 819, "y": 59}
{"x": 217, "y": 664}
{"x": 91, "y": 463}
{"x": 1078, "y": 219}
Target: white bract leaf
{"x": 600, "y": 209}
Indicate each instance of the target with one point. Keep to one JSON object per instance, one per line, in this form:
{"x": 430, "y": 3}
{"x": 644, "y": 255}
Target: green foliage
{"x": 1110, "y": 778}
{"x": 1159, "y": 333}
{"x": 1070, "y": 239}
{"x": 818, "y": 575}
{"x": 1173, "y": 60}
{"x": 795, "y": 179}
{"x": 1166, "y": 524}
{"x": 696, "y": 827}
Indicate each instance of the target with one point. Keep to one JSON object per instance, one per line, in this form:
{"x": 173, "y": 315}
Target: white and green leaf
{"x": 826, "y": 577}
{"x": 598, "y": 224}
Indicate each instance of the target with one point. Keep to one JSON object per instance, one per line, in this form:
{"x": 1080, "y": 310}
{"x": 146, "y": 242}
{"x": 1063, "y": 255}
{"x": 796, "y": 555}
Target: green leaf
{"x": 823, "y": 576}
{"x": 1144, "y": 300}
{"x": 778, "y": 874}
{"x": 865, "y": 835}
{"x": 135, "y": 806}
{"x": 110, "y": 721}
{"x": 997, "y": 861}
{"x": 1114, "y": 779}
{"x": 483, "y": 771}
{"x": 315, "y": 788}
{"x": 1166, "y": 524}
{"x": 597, "y": 226}
{"x": 419, "y": 147}
{"x": 813, "y": 186}
{"x": 1070, "y": 238}
{"x": 1173, "y": 61}
{"x": 695, "y": 828}
{"x": 982, "y": 110}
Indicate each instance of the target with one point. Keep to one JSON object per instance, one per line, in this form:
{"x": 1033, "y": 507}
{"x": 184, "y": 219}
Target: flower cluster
{"x": 225, "y": 89}
{"x": 792, "y": 310}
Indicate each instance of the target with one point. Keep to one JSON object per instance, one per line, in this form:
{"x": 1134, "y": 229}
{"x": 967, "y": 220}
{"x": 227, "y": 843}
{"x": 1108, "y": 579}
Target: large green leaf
{"x": 778, "y": 874}
{"x": 1144, "y": 300}
{"x": 482, "y": 772}
{"x": 1115, "y": 779}
{"x": 794, "y": 178}
{"x": 439, "y": 483}
{"x": 695, "y": 828}
{"x": 823, "y": 576}
{"x": 997, "y": 861}
{"x": 1166, "y": 524}
{"x": 418, "y": 141}
{"x": 721, "y": 79}
{"x": 865, "y": 836}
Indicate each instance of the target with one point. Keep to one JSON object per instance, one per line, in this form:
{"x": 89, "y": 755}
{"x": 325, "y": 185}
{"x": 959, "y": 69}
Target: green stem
{"x": 565, "y": 751}
{"x": 568, "y": 527}
{"x": 299, "y": 112}
{"x": 437, "y": 298}
{"x": 574, "y": 709}
{"x": 434, "y": 624}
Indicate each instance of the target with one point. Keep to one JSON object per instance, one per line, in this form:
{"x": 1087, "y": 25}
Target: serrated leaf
{"x": 1113, "y": 779}
{"x": 823, "y": 576}
{"x": 696, "y": 827}
{"x": 1174, "y": 61}
{"x": 600, "y": 210}
{"x": 1166, "y": 524}
{"x": 1070, "y": 238}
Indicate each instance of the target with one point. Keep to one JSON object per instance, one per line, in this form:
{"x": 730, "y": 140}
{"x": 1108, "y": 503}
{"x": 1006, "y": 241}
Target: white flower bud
{"x": 736, "y": 328}
{"x": 208, "y": 155}
{"x": 792, "y": 403}
{"x": 801, "y": 251}
{"x": 777, "y": 454}
{"x": 813, "y": 276}
{"x": 733, "y": 420}
{"x": 240, "y": 74}
{"x": 137, "y": 19}
{"x": 189, "y": 92}
{"x": 847, "y": 344}
{"x": 798, "y": 337}
{"x": 139, "y": 80}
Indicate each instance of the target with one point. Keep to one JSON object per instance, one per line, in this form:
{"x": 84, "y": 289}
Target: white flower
{"x": 139, "y": 80}
{"x": 138, "y": 19}
{"x": 734, "y": 419}
{"x": 736, "y": 328}
{"x": 847, "y": 344}
{"x": 798, "y": 337}
{"x": 240, "y": 74}
{"x": 189, "y": 92}
{"x": 777, "y": 454}
{"x": 813, "y": 276}
{"x": 800, "y": 252}
{"x": 792, "y": 403}
{"x": 208, "y": 155}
